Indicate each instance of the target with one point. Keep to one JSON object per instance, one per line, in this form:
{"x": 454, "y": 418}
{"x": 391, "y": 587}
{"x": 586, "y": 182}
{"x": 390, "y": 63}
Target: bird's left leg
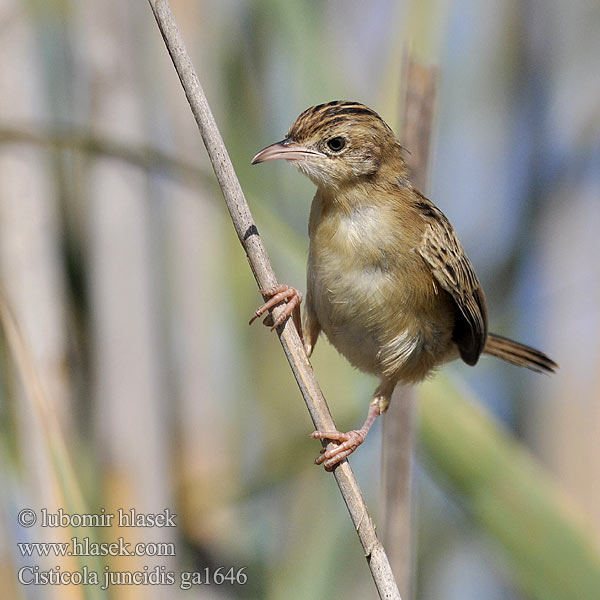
{"x": 351, "y": 440}
{"x": 312, "y": 327}
{"x": 281, "y": 293}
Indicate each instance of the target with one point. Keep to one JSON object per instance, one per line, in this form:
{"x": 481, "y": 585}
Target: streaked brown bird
{"x": 388, "y": 281}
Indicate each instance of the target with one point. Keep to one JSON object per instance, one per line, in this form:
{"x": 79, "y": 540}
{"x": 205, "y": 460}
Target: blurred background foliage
{"x": 128, "y": 376}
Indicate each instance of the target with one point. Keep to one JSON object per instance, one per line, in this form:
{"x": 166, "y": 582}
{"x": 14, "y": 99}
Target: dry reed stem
{"x": 265, "y": 277}
{"x": 399, "y": 425}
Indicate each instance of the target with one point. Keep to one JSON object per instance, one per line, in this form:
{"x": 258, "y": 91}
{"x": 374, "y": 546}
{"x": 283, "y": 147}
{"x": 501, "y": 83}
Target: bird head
{"x": 336, "y": 144}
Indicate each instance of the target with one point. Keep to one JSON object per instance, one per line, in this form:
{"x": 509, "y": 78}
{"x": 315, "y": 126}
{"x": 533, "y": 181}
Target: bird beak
{"x": 286, "y": 149}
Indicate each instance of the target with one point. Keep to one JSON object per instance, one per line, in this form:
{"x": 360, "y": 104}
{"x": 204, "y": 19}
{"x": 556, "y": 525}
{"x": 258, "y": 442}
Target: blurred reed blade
{"x": 66, "y": 486}
{"x": 551, "y": 554}
{"x": 145, "y": 156}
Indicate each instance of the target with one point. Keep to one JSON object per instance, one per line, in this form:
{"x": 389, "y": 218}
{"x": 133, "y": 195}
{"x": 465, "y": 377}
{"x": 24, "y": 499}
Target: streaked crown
{"x": 322, "y": 118}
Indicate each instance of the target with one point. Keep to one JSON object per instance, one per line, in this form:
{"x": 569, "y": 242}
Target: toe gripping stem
{"x": 277, "y": 294}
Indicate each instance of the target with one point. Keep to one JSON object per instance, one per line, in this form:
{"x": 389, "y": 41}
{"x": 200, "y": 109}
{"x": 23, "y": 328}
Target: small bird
{"x": 388, "y": 281}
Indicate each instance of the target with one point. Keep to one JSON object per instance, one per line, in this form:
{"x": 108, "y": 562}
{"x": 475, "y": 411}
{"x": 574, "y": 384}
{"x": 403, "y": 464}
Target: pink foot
{"x": 279, "y": 293}
{"x": 350, "y": 441}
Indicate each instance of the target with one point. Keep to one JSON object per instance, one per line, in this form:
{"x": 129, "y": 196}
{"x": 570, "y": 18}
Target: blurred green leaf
{"x": 551, "y": 554}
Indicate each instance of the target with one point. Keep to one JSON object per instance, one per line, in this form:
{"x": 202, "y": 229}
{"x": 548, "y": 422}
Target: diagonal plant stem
{"x": 265, "y": 277}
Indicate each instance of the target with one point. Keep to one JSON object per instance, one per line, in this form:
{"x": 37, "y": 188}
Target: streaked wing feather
{"x": 453, "y": 271}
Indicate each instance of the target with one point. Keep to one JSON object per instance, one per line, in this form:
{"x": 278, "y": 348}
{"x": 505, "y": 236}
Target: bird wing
{"x": 453, "y": 271}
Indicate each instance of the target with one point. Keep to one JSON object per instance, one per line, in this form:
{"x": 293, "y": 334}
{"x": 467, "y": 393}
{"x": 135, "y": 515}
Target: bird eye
{"x": 336, "y": 144}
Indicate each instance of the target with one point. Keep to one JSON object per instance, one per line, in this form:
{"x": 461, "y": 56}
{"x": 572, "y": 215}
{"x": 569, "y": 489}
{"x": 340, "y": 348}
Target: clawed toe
{"x": 279, "y": 293}
{"x": 348, "y": 443}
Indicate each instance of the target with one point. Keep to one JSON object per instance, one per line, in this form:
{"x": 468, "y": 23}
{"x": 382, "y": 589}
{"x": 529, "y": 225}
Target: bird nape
{"x": 388, "y": 282}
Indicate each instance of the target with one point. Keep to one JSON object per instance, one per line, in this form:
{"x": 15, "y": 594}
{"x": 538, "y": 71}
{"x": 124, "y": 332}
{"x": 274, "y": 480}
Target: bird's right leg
{"x": 351, "y": 440}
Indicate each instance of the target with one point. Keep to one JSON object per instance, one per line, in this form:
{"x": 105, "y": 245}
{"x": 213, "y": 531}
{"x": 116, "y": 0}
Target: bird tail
{"x": 519, "y": 354}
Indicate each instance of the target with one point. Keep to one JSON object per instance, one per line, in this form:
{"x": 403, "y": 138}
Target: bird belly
{"x": 374, "y": 299}
{"x": 377, "y": 313}
{"x": 370, "y": 318}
